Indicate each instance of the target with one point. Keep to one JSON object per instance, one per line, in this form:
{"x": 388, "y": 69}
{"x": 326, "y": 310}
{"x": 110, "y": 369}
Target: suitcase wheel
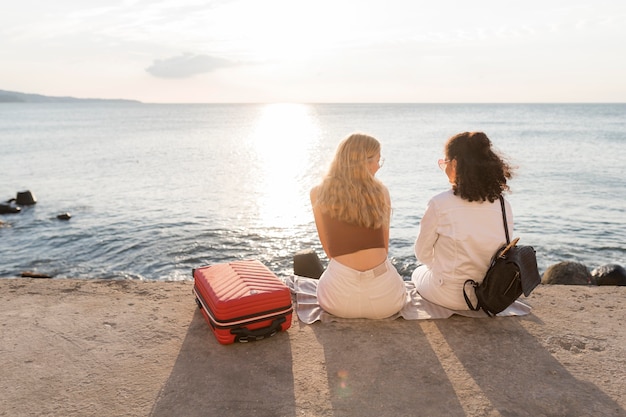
{"x": 199, "y": 303}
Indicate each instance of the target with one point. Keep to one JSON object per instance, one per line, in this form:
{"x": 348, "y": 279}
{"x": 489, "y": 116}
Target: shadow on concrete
{"x": 379, "y": 368}
{"x": 518, "y": 375}
{"x": 384, "y": 369}
{"x": 209, "y": 379}
{"x": 392, "y": 369}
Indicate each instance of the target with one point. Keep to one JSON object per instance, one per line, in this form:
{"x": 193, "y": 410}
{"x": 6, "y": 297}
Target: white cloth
{"x": 456, "y": 242}
{"x": 308, "y": 310}
{"x": 373, "y": 294}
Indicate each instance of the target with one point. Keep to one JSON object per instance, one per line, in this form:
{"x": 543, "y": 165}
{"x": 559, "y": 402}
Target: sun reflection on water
{"x": 284, "y": 139}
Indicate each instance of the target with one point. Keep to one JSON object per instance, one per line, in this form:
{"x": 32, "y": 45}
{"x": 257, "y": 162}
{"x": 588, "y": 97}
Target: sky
{"x": 322, "y": 51}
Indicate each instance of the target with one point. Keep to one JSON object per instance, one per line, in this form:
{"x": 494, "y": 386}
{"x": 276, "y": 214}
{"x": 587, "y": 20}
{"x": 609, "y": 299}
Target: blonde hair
{"x": 349, "y": 192}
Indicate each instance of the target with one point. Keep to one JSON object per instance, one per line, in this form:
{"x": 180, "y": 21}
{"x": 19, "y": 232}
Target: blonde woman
{"x": 352, "y": 211}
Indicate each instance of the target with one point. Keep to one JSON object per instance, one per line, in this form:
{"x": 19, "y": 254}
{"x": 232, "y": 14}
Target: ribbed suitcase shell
{"x": 242, "y": 300}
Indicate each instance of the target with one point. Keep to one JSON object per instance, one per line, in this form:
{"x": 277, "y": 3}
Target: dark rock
{"x": 8, "y": 208}
{"x": 306, "y": 263}
{"x": 25, "y": 198}
{"x": 567, "y": 273}
{"x": 611, "y": 274}
{"x": 31, "y": 274}
{"x": 64, "y": 216}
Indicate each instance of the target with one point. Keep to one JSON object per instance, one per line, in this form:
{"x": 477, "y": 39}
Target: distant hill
{"x": 15, "y": 97}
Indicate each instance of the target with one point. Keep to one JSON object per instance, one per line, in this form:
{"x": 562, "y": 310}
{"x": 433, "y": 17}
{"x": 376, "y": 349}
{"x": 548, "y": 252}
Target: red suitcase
{"x": 242, "y": 301}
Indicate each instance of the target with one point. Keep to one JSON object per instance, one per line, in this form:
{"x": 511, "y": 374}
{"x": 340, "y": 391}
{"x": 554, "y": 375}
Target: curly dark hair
{"x": 481, "y": 173}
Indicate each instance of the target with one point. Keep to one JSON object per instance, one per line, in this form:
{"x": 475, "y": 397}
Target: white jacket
{"x": 456, "y": 242}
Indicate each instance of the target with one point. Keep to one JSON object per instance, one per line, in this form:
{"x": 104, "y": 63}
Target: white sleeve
{"x": 427, "y": 236}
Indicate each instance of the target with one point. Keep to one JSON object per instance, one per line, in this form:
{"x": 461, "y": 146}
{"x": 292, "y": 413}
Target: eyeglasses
{"x": 442, "y": 164}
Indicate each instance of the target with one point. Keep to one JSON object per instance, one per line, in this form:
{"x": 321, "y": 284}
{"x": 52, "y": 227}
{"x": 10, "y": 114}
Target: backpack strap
{"x": 506, "y": 227}
{"x": 467, "y": 300}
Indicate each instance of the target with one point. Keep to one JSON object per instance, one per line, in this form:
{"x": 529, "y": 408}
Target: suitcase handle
{"x": 245, "y": 335}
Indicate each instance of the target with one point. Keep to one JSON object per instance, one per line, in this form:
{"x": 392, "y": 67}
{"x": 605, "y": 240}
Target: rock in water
{"x": 7, "y": 208}
{"x": 611, "y": 274}
{"x": 25, "y": 198}
{"x": 31, "y": 274}
{"x": 567, "y": 273}
{"x": 64, "y": 216}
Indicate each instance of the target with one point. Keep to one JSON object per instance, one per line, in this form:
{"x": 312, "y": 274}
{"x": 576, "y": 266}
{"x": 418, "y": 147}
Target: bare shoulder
{"x": 313, "y": 193}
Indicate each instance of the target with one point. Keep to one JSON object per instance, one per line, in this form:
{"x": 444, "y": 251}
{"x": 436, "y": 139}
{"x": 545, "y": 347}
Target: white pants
{"x": 448, "y": 294}
{"x": 374, "y": 294}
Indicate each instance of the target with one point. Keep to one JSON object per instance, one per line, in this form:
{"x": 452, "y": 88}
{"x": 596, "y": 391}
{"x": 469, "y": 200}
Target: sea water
{"x": 155, "y": 190}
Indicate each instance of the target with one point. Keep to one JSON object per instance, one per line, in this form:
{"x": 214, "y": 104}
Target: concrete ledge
{"x": 128, "y": 348}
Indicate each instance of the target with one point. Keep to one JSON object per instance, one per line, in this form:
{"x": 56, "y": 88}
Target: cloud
{"x": 186, "y": 65}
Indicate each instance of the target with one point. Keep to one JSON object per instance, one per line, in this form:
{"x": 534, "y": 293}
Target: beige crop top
{"x": 344, "y": 238}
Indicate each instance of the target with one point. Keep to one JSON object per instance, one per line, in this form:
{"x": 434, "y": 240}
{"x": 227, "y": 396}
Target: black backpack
{"x": 512, "y": 272}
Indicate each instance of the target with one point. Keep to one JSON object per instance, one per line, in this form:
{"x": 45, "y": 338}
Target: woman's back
{"x": 355, "y": 246}
{"x": 469, "y": 233}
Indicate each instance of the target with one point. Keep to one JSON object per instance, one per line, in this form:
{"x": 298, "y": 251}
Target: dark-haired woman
{"x": 462, "y": 228}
